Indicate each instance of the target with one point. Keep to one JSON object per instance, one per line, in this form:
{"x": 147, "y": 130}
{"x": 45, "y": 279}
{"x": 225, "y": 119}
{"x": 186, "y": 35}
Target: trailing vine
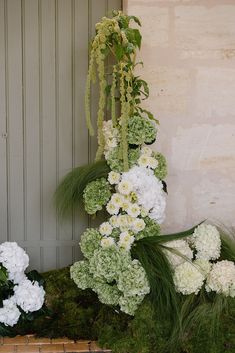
{"x": 116, "y": 39}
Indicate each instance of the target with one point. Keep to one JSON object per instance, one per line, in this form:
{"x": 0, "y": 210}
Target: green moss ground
{"x": 79, "y": 315}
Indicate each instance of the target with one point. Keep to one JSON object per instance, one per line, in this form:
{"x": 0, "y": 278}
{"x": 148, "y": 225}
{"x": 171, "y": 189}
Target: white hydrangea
{"x": 29, "y": 296}
{"x": 114, "y": 177}
{"x": 149, "y": 191}
{"x": 207, "y": 242}
{"x": 9, "y": 313}
{"x": 14, "y": 259}
{"x": 106, "y": 242}
{"x": 179, "y": 247}
{"x": 126, "y": 240}
{"x": 188, "y": 279}
{"x": 204, "y": 266}
{"x": 221, "y": 279}
{"x": 105, "y": 228}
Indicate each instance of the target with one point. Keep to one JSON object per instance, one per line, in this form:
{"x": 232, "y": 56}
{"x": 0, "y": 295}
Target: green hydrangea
{"x": 115, "y": 233}
{"x": 129, "y": 305}
{"x": 161, "y": 170}
{"x": 80, "y": 273}
{"x": 107, "y": 263}
{"x": 96, "y": 195}
{"x": 90, "y": 241}
{"x": 107, "y": 294}
{"x": 133, "y": 280}
{"x": 151, "y": 229}
{"x": 141, "y": 130}
{"x": 116, "y": 163}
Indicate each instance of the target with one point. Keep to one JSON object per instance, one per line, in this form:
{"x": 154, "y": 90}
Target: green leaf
{"x": 137, "y": 37}
{"x": 3, "y": 275}
{"x": 135, "y": 19}
{"x": 119, "y": 51}
{"x": 35, "y": 276}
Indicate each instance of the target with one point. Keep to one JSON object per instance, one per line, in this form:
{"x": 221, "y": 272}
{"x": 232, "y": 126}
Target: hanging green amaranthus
{"x": 115, "y": 40}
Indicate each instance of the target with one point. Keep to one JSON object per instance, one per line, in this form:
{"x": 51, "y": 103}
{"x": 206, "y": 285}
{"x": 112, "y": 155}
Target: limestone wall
{"x": 189, "y": 61}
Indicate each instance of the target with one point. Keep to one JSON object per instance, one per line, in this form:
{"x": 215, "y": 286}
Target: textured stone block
{"x": 205, "y": 32}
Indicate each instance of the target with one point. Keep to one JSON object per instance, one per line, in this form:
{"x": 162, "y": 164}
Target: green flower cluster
{"x": 108, "y": 294}
{"x": 161, "y": 170}
{"x": 90, "y": 241}
{"x": 107, "y": 263}
{"x": 115, "y": 160}
{"x": 111, "y": 273}
{"x": 151, "y": 228}
{"x": 133, "y": 281}
{"x": 96, "y": 195}
{"x": 141, "y": 130}
{"x": 130, "y": 304}
{"x": 80, "y": 273}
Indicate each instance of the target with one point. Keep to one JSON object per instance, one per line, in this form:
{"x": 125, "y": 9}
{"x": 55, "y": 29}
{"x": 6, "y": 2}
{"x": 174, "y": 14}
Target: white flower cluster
{"x": 146, "y": 159}
{"x": 138, "y": 194}
{"x": 15, "y": 260}
{"x": 111, "y": 137}
{"x": 221, "y": 278}
{"x": 29, "y": 296}
{"x": 190, "y": 275}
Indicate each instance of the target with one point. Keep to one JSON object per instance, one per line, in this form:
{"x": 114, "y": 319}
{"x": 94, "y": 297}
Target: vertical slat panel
{"x": 31, "y": 125}
{"x": 80, "y": 65}
{"x": 65, "y": 113}
{"x": 43, "y": 67}
{"x": 48, "y": 122}
{"x": 3, "y": 128}
{"x": 15, "y": 155}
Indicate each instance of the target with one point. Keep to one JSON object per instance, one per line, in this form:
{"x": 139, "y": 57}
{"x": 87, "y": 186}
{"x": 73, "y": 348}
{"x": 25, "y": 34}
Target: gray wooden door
{"x": 43, "y": 65}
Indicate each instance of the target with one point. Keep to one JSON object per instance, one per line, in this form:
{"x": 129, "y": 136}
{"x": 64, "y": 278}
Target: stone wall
{"x": 189, "y": 61}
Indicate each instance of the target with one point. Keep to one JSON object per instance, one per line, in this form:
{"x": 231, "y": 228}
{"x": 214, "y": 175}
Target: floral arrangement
{"x": 126, "y": 258}
{"x": 20, "y": 294}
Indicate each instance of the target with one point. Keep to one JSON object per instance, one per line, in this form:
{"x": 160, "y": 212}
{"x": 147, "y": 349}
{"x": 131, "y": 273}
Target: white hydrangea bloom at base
{"x": 149, "y": 191}
{"x": 14, "y": 259}
{"x": 9, "y": 313}
{"x": 207, "y": 242}
{"x": 221, "y": 279}
{"x": 29, "y": 296}
{"x": 188, "y": 279}
{"x": 181, "y": 247}
{"x": 204, "y": 266}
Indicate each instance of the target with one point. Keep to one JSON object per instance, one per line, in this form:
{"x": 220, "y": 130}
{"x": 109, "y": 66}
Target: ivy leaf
{"x": 119, "y": 51}
{"x": 135, "y": 19}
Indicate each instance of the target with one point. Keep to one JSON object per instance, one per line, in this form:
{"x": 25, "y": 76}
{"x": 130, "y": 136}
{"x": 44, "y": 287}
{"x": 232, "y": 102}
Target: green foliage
{"x": 69, "y": 193}
{"x": 78, "y": 314}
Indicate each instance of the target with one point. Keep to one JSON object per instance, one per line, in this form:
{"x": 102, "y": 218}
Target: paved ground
{"x": 30, "y": 344}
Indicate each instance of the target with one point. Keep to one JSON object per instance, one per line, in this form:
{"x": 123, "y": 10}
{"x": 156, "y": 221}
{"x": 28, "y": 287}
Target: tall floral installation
{"x": 135, "y": 290}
